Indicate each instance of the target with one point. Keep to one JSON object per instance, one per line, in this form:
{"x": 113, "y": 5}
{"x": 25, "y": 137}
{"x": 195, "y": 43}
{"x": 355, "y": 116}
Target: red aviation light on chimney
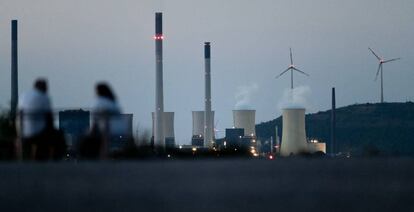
{"x": 158, "y": 37}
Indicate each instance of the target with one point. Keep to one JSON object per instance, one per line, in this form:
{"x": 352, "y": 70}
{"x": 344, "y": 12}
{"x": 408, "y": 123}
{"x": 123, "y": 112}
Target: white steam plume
{"x": 296, "y": 98}
{"x": 244, "y": 96}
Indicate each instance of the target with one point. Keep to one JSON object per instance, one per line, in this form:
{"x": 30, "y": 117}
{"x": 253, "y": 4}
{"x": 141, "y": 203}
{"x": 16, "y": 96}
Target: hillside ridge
{"x": 383, "y": 128}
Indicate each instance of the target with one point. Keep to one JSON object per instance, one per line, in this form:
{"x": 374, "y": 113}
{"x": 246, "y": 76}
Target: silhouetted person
{"x": 106, "y": 107}
{"x": 105, "y": 102}
{"x": 39, "y": 139}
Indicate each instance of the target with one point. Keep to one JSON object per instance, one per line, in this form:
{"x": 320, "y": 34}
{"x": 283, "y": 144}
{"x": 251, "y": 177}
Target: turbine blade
{"x": 291, "y": 58}
{"x": 374, "y": 54}
{"x": 376, "y": 76}
{"x": 283, "y": 72}
{"x": 391, "y": 60}
{"x": 300, "y": 71}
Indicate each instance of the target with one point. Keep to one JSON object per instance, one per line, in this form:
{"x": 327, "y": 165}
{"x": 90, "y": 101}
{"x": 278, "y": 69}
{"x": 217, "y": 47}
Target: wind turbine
{"x": 291, "y": 68}
{"x": 381, "y": 61}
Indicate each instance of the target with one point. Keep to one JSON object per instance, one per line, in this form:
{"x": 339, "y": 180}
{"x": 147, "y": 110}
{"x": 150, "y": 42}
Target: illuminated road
{"x": 225, "y": 185}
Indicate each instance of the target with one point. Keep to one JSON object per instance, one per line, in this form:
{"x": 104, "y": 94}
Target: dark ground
{"x": 210, "y": 185}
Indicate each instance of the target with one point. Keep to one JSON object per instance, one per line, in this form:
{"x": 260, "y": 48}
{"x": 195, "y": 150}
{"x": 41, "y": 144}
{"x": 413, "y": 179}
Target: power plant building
{"x": 234, "y": 137}
{"x": 121, "y": 128}
{"x": 74, "y": 124}
{"x": 315, "y": 146}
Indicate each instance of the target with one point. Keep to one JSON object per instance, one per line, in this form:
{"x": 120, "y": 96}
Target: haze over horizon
{"x": 77, "y": 43}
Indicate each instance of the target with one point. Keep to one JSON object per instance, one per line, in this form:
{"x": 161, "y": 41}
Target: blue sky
{"x": 77, "y": 43}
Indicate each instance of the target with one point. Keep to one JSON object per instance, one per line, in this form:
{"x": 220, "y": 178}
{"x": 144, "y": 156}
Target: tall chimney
{"x": 333, "y": 123}
{"x": 14, "y": 74}
{"x": 208, "y": 123}
{"x": 159, "y": 140}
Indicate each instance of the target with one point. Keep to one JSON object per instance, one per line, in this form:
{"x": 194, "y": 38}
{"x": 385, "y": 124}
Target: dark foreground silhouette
{"x": 289, "y": 184}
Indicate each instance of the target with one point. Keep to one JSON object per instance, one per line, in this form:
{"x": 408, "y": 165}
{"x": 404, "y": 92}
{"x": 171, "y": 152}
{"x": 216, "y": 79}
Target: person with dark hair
{"x": 105, "y": 102}
{"x": 104, "y": 110}
{"x": 35, "y": 124}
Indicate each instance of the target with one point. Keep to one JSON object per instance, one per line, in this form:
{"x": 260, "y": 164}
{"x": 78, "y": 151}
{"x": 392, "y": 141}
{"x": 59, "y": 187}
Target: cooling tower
{"x": 198, "y": 123}
{"x": 159, "y": 138}
{"x": 245, "y": 119}
{"x": 168, "y": 124}
{"x": 293, "y": 135}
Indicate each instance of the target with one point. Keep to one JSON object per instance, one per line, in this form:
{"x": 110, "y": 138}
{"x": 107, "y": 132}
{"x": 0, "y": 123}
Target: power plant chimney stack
{"x": 333, "y": 123}
{"x": 208, "y": 122}
{"x": 159, "y": 140}
{"x": 14, "y": 73}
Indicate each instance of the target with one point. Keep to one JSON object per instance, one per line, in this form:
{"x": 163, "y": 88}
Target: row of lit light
{"x": 253, "y": 151}
{"x": 158, "y": 37}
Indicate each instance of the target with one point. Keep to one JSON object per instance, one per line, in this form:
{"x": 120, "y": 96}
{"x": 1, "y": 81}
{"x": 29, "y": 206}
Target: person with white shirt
{"x": 104, "y": 111}
{"x": 34, "y": 117}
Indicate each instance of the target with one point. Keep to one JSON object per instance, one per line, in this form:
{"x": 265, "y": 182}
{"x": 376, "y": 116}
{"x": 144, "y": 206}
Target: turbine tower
{"x": 291, "y": 68}
{"x": 381, "y": 62}
{"x": 159, "y": 139}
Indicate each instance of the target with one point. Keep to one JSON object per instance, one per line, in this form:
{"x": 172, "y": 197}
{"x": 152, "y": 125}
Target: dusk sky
{"x": 79, "y": 42}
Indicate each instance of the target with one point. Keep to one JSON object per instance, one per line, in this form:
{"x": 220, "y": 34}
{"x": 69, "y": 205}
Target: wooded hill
{"x": 361, "y": 129}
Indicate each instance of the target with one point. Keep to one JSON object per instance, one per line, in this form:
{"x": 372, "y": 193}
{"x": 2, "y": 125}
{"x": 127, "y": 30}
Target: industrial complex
{"x": 240, "y": 136}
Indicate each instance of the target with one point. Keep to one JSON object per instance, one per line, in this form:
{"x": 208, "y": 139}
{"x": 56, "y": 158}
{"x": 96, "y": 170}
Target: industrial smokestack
{"x": 159, "y": 140}
{"x": 333, "y": 123}
{"x": 14, "y": 73}
{"x": 293, "y": 135}
{"x": 208, "y": 120}
{"x": 245, "y": 119}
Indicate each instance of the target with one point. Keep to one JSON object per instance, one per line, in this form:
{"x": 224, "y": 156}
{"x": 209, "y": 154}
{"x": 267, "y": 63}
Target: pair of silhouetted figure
{"x": 39, "y": 138}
